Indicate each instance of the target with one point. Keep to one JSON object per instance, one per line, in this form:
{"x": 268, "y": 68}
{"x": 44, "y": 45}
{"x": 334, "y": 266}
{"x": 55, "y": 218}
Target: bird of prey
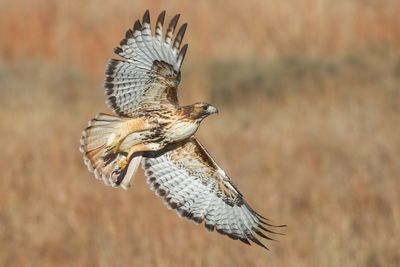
{"x": 151, "y": 128}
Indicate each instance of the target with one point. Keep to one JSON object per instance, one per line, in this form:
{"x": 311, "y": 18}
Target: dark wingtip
{"x": 209, "y": 227}
{"x": 184, "y": 49}
{"x": 161, "y": 17}
{"x": 123, "y": 42}
{"x": 245, "y": 240}
{"x": 174, "y": 21}
{"x": 137, "y": 26}
{"x": 129, "y": 34}
{"x": 182, "y": 54}
{"x": 273, "y": 225}
{"x": 179, "y": 36}
{"x": 118, "y": 50}
{"x": 111, "y": 66}
{"x": 270, "y": 231}
{"x": 257, "y": 231}
{"x": 146, "y": 17}
{"x": 255, "y": 240}
{"x": 183, "y": 27}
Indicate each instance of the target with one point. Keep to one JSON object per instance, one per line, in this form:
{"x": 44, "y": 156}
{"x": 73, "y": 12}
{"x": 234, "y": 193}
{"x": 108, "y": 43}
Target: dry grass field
{"x": 309, "y": 130}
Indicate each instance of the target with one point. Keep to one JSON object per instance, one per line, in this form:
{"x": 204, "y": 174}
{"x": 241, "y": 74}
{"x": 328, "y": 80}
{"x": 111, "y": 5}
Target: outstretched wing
{"x": 190, "y": 181}
{"x": 149, "y": 73}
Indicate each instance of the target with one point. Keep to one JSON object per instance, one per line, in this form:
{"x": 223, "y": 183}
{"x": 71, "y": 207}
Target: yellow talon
{"x": 122, "y": 164}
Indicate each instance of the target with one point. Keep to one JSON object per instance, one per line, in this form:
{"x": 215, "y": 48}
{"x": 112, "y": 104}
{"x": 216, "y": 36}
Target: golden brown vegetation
{"x": 309, "y": 100}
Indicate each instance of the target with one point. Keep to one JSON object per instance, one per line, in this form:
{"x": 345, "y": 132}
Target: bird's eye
{"x": 205, "y": 107}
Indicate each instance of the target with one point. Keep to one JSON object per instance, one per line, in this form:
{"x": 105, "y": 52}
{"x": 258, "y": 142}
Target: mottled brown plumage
{"x": 150, "y": 127}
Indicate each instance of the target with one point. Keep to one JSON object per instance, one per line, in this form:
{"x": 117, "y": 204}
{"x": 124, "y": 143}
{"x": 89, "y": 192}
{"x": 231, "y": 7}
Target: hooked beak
{"x": 212, "y": 110}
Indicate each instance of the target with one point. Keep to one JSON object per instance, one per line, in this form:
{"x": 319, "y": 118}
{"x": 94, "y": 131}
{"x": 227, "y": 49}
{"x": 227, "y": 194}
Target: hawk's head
{"x": 199, "y": 111}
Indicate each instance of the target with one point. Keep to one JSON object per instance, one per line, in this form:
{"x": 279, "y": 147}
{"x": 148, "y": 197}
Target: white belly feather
{"x": 181, "y": 130}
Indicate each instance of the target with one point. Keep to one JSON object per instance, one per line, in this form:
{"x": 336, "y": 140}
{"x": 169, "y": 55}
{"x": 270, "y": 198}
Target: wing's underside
{"x": 189, "y": 180}
{"x": 148, "y": 74}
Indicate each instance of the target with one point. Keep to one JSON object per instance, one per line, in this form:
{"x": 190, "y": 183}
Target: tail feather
{"x": 100, "y": 161}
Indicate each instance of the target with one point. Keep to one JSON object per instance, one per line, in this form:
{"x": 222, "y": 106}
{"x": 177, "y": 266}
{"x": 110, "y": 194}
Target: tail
{"x": 102, "y": 157}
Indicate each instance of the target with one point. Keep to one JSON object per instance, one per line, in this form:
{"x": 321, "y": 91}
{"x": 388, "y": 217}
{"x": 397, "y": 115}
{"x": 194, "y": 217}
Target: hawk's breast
{"x": 181, "y": 130}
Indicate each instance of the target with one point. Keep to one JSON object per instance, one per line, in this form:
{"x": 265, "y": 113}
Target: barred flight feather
{"x": 149, "y": 68}
{"x": 171, "y": 29}
{"x": 195, "y": 196}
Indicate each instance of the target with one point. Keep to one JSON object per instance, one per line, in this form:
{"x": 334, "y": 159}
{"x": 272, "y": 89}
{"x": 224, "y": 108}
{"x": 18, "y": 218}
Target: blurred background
{"x": 309, "y": 100}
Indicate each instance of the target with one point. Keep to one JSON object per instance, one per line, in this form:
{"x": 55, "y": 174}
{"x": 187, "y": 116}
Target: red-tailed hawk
{"x": 150, "y": 128}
